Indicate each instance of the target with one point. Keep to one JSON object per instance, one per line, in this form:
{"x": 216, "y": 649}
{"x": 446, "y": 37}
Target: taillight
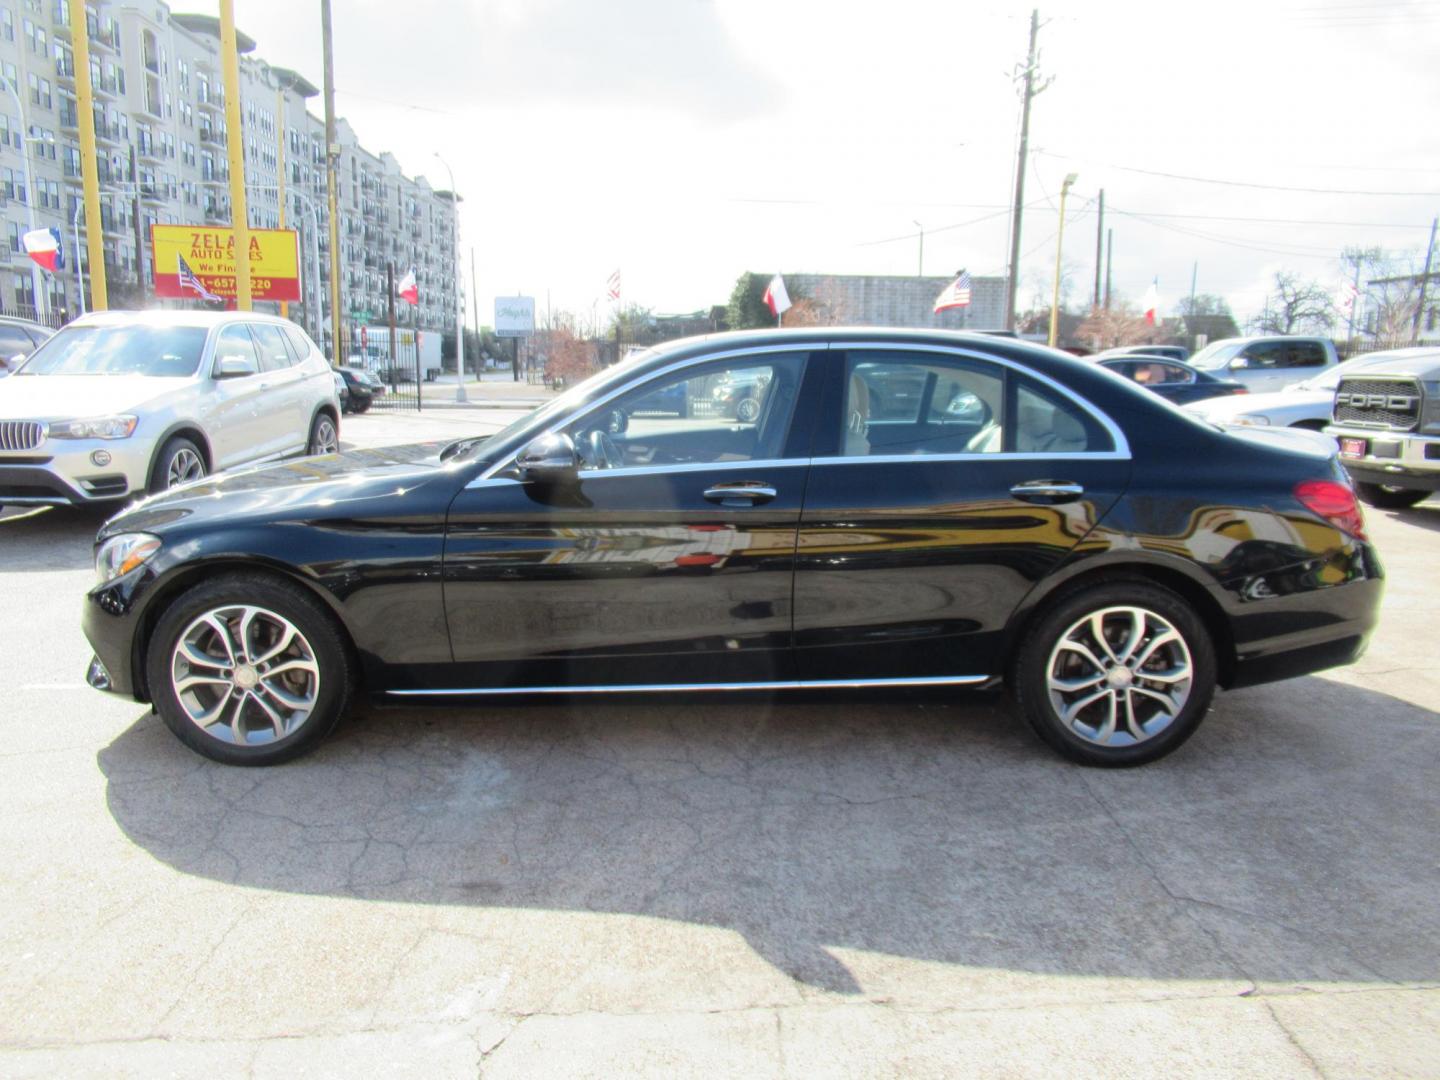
{"x": 1335, "y": 502}
{"x": 1242, "y": 390}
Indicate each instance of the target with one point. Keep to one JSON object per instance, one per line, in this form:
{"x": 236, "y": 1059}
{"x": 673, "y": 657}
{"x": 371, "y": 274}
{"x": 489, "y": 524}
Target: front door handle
{"x": 741, "y": 493}
{"x": 1048, "y": 492}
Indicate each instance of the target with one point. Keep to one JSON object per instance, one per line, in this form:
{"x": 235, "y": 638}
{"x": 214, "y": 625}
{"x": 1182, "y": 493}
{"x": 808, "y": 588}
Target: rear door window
{"x": 1303, "y": 354}
{"x": 274, "y": 354}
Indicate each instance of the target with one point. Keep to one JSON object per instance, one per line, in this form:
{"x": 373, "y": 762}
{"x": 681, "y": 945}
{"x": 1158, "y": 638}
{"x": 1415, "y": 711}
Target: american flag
{"x": 956, "y": 294}
{"x": 614, "y": 285}
{"x": 188, "y": 280}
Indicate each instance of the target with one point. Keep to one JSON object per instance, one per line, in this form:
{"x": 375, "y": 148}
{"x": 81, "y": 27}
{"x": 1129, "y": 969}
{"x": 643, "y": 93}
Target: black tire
{"x": 324, "y": 435}
{"x": 363, "y": 406}
{"x": 1385, "y": 497}
{"x": 317, "y": 630}
{"x": 747, "y": 410}
{"x": 1030, "y": 670}
{"x": 178, "y": 462}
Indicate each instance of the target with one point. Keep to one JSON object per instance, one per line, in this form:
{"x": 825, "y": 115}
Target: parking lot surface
{"x": 835, "y": 886}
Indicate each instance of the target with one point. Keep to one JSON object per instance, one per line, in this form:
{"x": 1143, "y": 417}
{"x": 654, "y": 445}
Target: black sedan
{"x": 1029, "y": 519}
{"x": 1173, "y": 380}
{"x": 363, "y": 389}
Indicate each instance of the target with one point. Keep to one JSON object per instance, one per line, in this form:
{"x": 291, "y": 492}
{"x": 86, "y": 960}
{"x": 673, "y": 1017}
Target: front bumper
{"x": 113, "y": 614}
{"x": 1392, "y": 458}
{"x": 63, "y": 472}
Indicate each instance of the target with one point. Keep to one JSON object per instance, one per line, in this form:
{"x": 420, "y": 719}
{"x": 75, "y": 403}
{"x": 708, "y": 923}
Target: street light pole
{"x": 1059, "y": 247}
{"x": 455, "y": 277}
{"x": 922, "y": 247}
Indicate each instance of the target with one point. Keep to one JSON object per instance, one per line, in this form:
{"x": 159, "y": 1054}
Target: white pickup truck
{"x": 1267, "y": 363}
{"x": 1387, "y": 422}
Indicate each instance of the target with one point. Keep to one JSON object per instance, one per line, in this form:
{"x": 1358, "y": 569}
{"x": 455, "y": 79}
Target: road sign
{"x": 209, "y": 252}
{"x": 514, "y": 316}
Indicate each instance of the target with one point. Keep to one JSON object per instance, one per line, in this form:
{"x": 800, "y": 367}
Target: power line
{"x": 1245, "y": 183}
{"x": 940, "y": 229}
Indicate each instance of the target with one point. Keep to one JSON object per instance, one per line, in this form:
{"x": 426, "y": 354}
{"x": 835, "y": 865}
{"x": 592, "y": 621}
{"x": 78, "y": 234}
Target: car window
{"x": 299, "y": 343}
{"x": 235, "y": 341}
{"x": 732, "y": 410}
{"x": 1264, "y": 354}
{"x": 13, "y": 339}
{"x": 1302, "y": 354}
{"x": 37, "y": 335}
{"x": 274, "y": 354}
{"x": 1174, "y": 373}
{"x": 1216, "y": 356}
{"x": 1048, "y": 423}
{"x": 919, "y": 403}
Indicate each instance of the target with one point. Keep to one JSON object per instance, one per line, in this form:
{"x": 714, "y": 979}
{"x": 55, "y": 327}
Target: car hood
{"x": 1424, "y": 366}
{"x": 1218, "y": 409}
{"x": 354, "y": 483}
{"x": 70, "y": 397}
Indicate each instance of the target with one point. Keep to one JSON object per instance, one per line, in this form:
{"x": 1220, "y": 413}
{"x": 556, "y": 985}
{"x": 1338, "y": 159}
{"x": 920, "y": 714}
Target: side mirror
{"x": 17, "y": 360}
{"x": 234, "y": 367}
{"x": 550, "y": 459}
{"x": 1240, "y": 363}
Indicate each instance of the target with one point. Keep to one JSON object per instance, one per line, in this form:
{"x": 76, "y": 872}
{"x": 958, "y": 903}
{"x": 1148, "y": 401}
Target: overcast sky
{"x": 685, "y": 141}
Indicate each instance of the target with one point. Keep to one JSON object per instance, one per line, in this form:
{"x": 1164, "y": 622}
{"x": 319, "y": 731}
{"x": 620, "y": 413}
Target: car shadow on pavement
{"x": 1290, "y": 840}
{"x": 50, "y": 538}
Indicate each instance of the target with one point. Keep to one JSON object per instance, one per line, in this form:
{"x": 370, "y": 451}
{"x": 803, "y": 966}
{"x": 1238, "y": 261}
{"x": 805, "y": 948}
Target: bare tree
{"x": 1389, "y": 290}
{"x": 1120, "y": 324}
{"x": 1295, "y": 306}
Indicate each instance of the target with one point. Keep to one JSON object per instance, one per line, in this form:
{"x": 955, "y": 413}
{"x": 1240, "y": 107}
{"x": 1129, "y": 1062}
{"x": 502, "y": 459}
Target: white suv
{"x": 122, "y": 403}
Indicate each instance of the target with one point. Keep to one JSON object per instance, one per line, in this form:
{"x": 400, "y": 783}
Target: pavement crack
{"x": 1292, "y": 1040}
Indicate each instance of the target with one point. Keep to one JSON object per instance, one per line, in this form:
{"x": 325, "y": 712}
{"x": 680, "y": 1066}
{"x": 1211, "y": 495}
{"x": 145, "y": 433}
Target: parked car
{"x": 362, "y": 389}
{"x": 1267, "y": 363}
{"x": 741, "y": 394}
{"x": 1173, "y": 380}
{"x": 1304, "y": 404}
{"x": 1169, "y": 352}
{"x": 122, "y": 403}
{"x": 18, "y": 339}
{"x": 342, "y": 391}
{"x": 1103, "y": 554}
{"x": 1387, "y": 421}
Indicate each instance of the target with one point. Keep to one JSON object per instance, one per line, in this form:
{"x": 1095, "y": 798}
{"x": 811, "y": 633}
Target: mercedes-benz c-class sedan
{"x": 1028, "y": 519}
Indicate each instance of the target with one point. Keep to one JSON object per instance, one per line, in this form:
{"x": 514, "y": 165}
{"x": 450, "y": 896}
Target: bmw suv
{"x": 126, "y": 403}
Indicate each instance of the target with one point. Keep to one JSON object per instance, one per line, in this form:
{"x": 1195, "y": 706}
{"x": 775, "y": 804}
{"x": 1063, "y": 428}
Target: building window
{"x": 14, "y": 238}
{"x": 7, "y": 24}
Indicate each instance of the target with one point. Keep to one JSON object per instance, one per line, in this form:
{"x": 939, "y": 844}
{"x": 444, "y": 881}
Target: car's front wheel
{"x": 178, "y": 462}
{"x": 1116, "y": 674}
{"x": 324, "y": 435}
{"x": 247, "y": 670}
{"x": 1386, "y": 497}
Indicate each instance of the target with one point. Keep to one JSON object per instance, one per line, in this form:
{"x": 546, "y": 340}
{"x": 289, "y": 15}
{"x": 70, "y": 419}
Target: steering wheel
{"x": 604, "y": 454}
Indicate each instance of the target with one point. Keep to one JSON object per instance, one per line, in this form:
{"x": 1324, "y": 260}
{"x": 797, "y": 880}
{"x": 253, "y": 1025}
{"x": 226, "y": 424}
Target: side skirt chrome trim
{"x": 662, "y": 688}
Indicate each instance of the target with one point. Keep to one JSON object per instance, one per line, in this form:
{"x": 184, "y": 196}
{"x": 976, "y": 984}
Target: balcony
{"x": 213, "y": 101}
{"x": 147, "y": 149}
{"x": 65, "y": 68}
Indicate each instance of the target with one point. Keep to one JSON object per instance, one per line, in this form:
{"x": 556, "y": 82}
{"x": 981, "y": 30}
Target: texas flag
{"x": 43, "y": 245}
{"x": 408, "y": 290}
{"x": 1151, "y": 303}
{"x": 776, "y": 298}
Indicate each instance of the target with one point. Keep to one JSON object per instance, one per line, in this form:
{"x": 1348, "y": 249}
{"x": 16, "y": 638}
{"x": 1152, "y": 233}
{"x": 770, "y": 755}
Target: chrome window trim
{"x": 685, "y": 688}
{"x": 693, "y": 466}
{"x": 639, "y": 380}
{"x": 1121, "y": 451}
{"x": 1122, "y": 444}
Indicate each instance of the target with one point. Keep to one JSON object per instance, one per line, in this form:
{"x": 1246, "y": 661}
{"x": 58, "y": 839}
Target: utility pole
{"x": 1027, "y": 95}
{"x": 475, "y": 307}
{"x": 921, "y": 271}
{"x": 1099, "y": 247}
{"x": 89, "y": 162}
{"x": 332, "y": 165}
{"x": 1059, "y": 249}
{"x": 1109, "y": 255}
{"x": 1354, "y": 302}
{"x": 235, "y": 147}
{"x": 1424, "y": 283}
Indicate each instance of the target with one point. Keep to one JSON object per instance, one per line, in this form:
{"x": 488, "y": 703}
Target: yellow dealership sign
{"x": 197, "y": 262}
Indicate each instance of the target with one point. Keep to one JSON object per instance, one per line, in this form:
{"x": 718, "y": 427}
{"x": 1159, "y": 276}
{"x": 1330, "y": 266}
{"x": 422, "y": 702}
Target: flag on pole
{"x": 612, "y": 284}
{"x": 776, "y": 298}
{"x": 956, "y": 294}
{"x": 43, "y": 245}
{"x": 188, "y": 280}
{"x": 408, "y": 290}
{"x": 1151, "y": 303}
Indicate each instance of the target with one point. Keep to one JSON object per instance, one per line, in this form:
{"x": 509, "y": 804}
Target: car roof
{"x": 175, "y": 317}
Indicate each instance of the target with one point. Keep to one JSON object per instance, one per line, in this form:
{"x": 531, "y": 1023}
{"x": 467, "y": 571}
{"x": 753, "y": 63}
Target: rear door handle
{"x": 1048, "y": 492}
{"x": 741, "y": 493}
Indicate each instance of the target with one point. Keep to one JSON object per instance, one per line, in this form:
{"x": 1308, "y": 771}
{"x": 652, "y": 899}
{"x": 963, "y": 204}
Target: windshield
{"x": 164, "y": 351}
{"x": 570, "y": 399}
{"x": 1216, "y": 356}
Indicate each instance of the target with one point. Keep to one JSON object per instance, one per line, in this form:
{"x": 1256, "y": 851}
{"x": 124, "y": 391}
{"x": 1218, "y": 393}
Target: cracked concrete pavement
{"x": 849, "y": 886}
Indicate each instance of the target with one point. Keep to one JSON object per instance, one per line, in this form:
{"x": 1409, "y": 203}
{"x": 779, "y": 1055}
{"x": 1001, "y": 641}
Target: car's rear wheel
{"x": 324, "y": 435}
{"x": 747, "y": 410}
{"x": 248, "y": 671}
{"x": 178, "y": 462}
{"x": 1386, "y": 497}
{"x": 1116, "y": 674}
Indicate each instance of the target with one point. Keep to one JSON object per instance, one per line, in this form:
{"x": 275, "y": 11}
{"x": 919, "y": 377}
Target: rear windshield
{"x": 163, "y": 351}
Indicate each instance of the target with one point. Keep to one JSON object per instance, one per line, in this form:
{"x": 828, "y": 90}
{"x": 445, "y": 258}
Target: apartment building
{"x": 159, "y": 106}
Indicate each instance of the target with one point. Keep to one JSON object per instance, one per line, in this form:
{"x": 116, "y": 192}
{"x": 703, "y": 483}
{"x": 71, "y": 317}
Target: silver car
{"x": 125, "y": 403}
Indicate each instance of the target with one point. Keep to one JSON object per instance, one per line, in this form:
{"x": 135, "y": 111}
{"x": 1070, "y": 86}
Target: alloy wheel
{"x": 184, "y": 466}
{"x": 327, "y": 441}
{"x": 245, "y": 675}
{"x": 1119, "y": 676}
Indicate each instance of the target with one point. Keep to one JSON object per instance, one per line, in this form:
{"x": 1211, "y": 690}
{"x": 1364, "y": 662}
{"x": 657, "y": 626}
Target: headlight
{"x": 121, "y": 554}
{"x": 99, "y": 427}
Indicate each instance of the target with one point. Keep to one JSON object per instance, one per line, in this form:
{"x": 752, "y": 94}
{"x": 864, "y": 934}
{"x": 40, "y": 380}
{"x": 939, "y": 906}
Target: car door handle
{"x": 741, "y": 493}
{"x": 1048, "y": 492}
